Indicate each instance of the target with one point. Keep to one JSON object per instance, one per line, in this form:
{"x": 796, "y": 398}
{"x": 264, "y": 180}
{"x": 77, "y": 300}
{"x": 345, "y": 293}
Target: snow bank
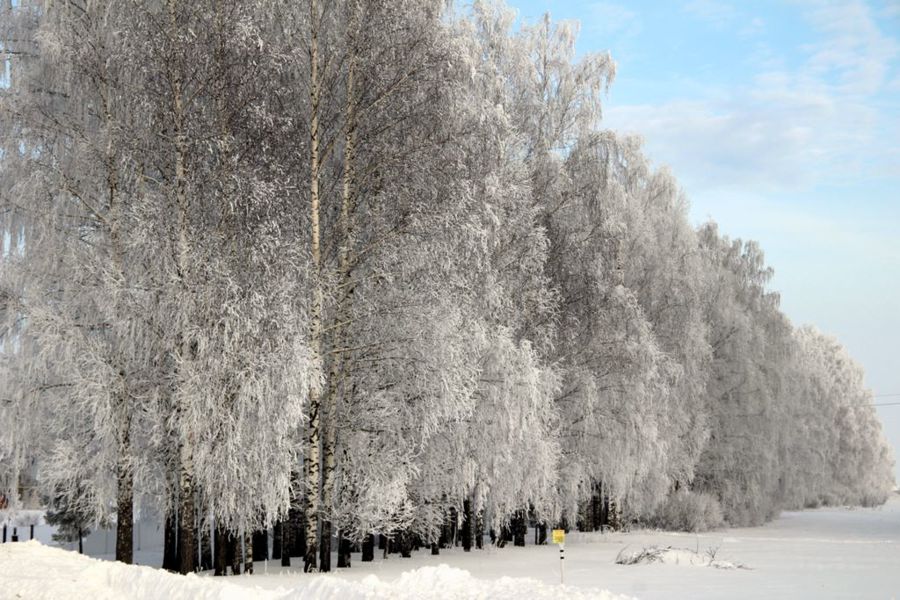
{"x": 674, "y": 556}
{"x": 32, "y": 570}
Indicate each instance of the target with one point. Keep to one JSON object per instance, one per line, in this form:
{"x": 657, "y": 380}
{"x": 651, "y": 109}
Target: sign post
{"x": 559, "y": 538}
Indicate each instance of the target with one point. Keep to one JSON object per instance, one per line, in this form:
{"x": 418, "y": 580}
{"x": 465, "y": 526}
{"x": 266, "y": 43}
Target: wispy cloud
{"x": 822, "y": 119}
{"x": 854, "y": 49}
{"x": 713, "y": 12}
{"x": 608, "y": 19}
{"x": 737, "y": 141}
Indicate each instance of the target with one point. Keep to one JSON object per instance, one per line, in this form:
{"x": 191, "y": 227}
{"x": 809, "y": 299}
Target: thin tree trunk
{"x": 170, "y": 542}
{"x": 287, "y": 539}
{"x": 186, "y": 539}
{"x": 325, "y": 547}
{"x": 186, "y": 467}
{"x": 125, "y": 498}
{"x": 297, "y": 532}
{"x": 248, "y": 553}
{"x": 479, "y": 530}
{"x": 276, "y": 541}
{"x": 221, "y": 558}
{"x": 446, "y": 539}
{"x": 467, "y": 525}
{"x": 313, "y": 458}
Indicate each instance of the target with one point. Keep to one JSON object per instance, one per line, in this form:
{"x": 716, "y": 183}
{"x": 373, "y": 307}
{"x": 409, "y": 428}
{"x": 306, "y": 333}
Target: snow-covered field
{"x": 826, "y": 553}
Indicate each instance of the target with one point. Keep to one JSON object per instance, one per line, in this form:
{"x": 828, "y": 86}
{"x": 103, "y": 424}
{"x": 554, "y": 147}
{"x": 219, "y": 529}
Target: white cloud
{"x": 762, "y": 139}
{"x": 609, "y": 19}
{"x": 854, "y": 48}
{"x": 826, "y": 120}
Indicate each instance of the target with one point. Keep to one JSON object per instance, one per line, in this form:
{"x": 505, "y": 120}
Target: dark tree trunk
{"x": 248, "y": 553}
{"x": 504, "y": 536}
{"x": 187, "y": 546}
{"x": 325, "y": 547}
{"x": 521, "y": 528}
{"x": 298, "y": 532}
{"x": 31, "y": 532}
{"x": 454, "y": 527}
{"x": 221, "y": 559}
{"x": 287, "y": 542}
{"x": 405, "y": 544}
{"x": 435, "y": 549}
{"x": 80, "y": 539}
{"x": 309, "y": 558}
{"x": 595, "y": 508}
{"x": 276, "y": 541}
{"x": 540, "y": 534}
{"x": 589, "y": 514}
{"x": 170, "y": 543}
{"x": 467, "y": 525}
{"x": 310, "y": 554}
{"x": 382, "y": 541}
{"x": 234, "y": 553}
{"x": 444, "y": 536}
{"x": 368, "y": 548}
{"x": 344, "y": 550}
{"x": 261, "y": 545}
{"x": 4, "y": 534}
{"x": 124, "y": 509}
{"x": 479, "y": 530}
{"x": 206, "y": 547}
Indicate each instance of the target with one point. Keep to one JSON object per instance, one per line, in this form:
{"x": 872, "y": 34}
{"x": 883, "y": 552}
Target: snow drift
{"x": 34, "y": 571}
{"x": 675, "y": 556}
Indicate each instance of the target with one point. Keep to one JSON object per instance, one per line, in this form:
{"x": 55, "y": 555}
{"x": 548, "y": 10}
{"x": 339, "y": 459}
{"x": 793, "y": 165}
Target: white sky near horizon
{"x": 781, "y": 120}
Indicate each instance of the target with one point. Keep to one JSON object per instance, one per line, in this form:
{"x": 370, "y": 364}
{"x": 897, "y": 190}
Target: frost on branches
{"x": 347, "y": 268}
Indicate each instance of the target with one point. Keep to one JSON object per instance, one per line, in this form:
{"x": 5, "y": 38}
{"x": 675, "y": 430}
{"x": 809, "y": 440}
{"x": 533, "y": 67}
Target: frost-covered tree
{"x": 377, "y": 264}
{"x": 844, "y": 457}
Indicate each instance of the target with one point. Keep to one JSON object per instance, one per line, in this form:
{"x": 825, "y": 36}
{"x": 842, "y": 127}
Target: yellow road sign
{"x": 559, "y": 536}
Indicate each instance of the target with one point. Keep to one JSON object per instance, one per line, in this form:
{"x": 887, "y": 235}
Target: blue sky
{"x": 781, "y": 120}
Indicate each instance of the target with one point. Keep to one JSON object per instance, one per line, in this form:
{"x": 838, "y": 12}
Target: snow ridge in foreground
{"x": 32, "y": 570}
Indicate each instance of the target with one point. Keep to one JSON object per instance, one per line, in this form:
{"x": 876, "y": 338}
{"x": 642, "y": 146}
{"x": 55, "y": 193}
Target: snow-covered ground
{"x": 826, "y": 553}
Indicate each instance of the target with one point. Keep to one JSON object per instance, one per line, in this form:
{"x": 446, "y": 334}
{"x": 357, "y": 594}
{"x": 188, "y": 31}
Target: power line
{"x": 887, "y": 404}
{"x": 885, "y": 395}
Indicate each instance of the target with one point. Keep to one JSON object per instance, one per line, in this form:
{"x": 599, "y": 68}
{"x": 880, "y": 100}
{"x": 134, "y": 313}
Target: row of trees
{"x": 369, "y": 266}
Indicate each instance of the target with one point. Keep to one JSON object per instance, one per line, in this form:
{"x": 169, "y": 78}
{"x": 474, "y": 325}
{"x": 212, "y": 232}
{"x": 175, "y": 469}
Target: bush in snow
{"x": 675, "y": 556}
{"x": 689, "y": 511}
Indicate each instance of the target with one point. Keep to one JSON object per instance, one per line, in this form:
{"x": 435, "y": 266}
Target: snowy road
{"x": 827, "y": 553}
